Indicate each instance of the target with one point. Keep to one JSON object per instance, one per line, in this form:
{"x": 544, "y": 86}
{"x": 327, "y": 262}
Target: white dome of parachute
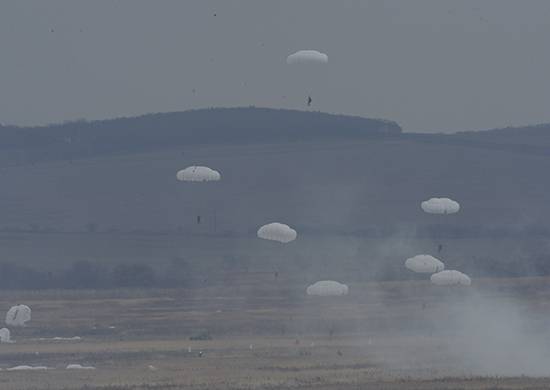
{"x": 451, "y": 278}
{"x": 5, "y": 336}
{"x": 327, "y": 288}
{"x": 18, "y": 315}
{"x": 307, "y": 57}
{"x": 440, "y": 206}
{"x": 424, "y": 264}
{"x": 198, "y": 173}
{"x": 277, "y": 232}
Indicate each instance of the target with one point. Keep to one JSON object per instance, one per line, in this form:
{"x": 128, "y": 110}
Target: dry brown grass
{"x": 260, "y": 341}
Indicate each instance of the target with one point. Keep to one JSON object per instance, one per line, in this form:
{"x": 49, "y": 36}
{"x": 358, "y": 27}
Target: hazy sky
{"x": 429, "y": 65}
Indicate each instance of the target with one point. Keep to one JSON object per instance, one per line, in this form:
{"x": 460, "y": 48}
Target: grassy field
{"x": 266, "y": 335}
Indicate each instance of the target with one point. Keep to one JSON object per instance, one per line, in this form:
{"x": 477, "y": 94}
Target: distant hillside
{"x": 533, "y": 139}
{"x": 352, "y": 188}
{"x": 235, "y": 126}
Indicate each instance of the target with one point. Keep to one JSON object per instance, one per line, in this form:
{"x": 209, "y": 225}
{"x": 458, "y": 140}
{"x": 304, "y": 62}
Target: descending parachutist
{"x": 309, "y": 101}
{"x": 198, "y": 219}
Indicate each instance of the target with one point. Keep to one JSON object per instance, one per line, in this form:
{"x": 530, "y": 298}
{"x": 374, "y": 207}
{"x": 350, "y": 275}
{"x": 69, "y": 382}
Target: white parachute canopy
{"x": 198, "y": 173}
{"x": 277, "y": 232}
{"x": 424, "y": 264}
{"x": 451, "y": 278}
{"x": 5, "y": 336}
{"x": 307, "y": 57}
{"x": 440, "y": 206}
{"x": 327, "y": 288}
{"x": 18, "y": 315}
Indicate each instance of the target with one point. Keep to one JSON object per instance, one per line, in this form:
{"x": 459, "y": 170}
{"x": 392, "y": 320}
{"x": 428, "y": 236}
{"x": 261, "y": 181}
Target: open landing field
{"x": 266, "y": 334}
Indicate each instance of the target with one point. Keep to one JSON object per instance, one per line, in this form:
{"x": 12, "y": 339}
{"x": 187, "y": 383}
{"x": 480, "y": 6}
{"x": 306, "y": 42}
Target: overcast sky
{"x": 429, "y": 65}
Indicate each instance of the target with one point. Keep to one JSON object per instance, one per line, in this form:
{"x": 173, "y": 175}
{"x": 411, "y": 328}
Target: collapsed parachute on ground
{"x": 5, "y": 336}
{"x": 326, "y": 288}
{"x": 277, "y": 232}
{"x": 18, "y": 315}
{"x": 424, "y": 264}
{"x": 79, "y": 367}
{"x": 198, "y": 173}
{"x": 440, "y": 206}
{"x": 57, "y": 338}
{"x": 27, "y": 368}
{"x": 307, "y": 57}
{"x": 451, "y": 278}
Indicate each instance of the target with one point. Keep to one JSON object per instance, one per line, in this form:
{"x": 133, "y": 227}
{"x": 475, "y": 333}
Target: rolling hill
{"x": 106, "y": 191}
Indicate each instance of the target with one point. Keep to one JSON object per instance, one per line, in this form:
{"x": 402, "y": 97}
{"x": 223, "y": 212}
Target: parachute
{"x": 18, "y": 315}
{"x": 440, "y": 206}
{"x": 326, "y": 288}
{"x": 79, "y": 367}
{"x": 198, "y": 174}
{"x": 5, "y": 336}
{"x": 27, "y": 368}
{"x": 307, "y": 56}
{"x": 309, "y": 73}
{"x": 451, "y": 278}
{"x": 277, "y": 232}
{"x": 424, "y": 264}
{"x": 57, "y": 338}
